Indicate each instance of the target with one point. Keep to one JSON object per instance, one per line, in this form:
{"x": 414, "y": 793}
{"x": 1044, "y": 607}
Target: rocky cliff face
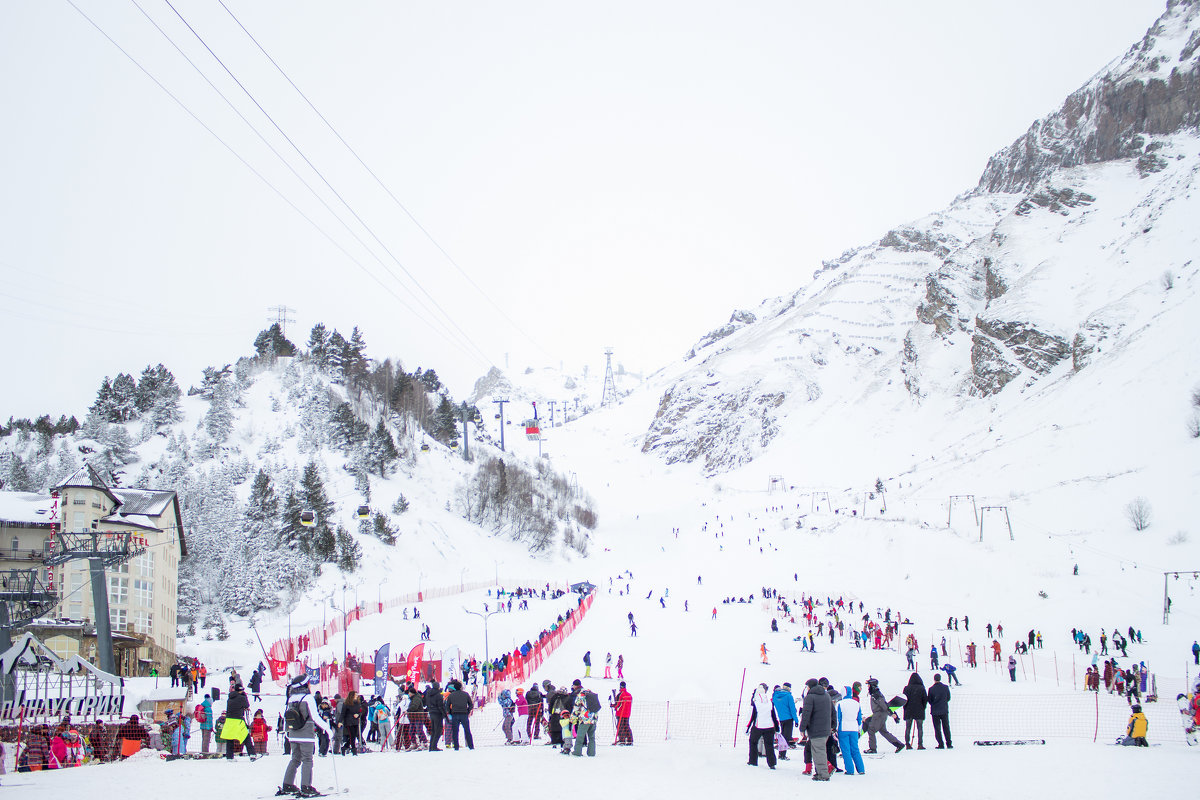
{"x": 1057, "y": 257}
{"x": 1154, "y": 89}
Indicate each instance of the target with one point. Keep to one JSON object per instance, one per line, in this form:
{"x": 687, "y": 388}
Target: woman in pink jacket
{"x": 522, "y": 706}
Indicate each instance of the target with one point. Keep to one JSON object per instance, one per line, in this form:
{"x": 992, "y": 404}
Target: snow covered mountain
{"x": 1066, "y": 275}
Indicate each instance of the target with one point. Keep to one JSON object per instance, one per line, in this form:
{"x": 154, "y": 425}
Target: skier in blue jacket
{"x": 785, "y": 710}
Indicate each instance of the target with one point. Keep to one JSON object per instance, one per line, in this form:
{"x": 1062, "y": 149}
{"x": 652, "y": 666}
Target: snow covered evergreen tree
{"x": 381, "y": 450}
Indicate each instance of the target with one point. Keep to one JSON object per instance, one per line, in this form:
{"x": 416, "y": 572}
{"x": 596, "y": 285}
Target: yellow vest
{"x": 1138, "y": 725}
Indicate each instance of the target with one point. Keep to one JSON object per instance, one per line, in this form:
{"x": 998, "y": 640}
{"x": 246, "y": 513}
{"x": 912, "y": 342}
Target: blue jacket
{"x": 207, "y": 725}
{"x": 785, "y": 705}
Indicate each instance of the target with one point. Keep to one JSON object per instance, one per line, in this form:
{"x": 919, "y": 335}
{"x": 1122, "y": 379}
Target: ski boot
{"x": 287, "y": 789}
{"x": 309, "y": 791}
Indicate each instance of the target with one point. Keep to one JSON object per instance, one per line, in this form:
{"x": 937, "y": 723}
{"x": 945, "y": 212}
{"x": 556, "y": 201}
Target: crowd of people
{"x": 827, "y": 722}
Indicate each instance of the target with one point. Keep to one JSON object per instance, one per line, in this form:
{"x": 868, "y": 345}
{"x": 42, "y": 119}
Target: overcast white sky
{"x": 616, "y": 174}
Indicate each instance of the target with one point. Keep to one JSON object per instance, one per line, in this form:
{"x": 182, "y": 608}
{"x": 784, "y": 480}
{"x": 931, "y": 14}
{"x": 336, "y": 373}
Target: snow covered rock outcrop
{"x": 1060, "y": 255}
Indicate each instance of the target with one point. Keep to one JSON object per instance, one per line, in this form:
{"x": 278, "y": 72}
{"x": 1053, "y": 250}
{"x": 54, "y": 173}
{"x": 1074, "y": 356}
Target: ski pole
{"x": 333, "y": 763}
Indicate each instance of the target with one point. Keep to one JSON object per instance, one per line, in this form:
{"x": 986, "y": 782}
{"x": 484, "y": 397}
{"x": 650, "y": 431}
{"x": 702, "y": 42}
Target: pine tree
{"x": 354, "y": 358}
{"x": 271, "y": 343}
{"x": 124, "y": 398}
{"x": 349, "y": 552}
{"x": 103, "y": 406}
{"x": 318, "y": 346}
{"x": 381, "y": 450}
{"x": 292, "y": 534}
{"x": 218, "y": 421}
{"x": 429, "y": 379}
{"x": 382, "y": 528}
{"x": 336, "y": 356}
{"x": 445, "y": 423}
{"x": 314, "y": 498}
{"x": 401, "y": 505}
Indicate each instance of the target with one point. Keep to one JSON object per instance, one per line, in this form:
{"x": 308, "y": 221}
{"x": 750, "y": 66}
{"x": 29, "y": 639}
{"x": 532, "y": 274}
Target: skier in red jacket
{"x": 623, "y": 707}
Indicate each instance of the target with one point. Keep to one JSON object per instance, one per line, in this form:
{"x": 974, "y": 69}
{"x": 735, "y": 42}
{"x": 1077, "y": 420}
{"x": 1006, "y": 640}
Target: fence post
{"x": 1033, "y": 664}
{"x": 1096, "y": 732}
{"x": 668, "y": 733}
{"x": 738, "y": 721}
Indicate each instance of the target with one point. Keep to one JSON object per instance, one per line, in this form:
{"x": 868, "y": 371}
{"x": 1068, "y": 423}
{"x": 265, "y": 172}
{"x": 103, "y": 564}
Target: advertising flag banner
{"x": 381, "y": 660}
{"x": 413, "y": 664}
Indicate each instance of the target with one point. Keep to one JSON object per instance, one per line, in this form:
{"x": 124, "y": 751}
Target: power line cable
{"x": 383, "y": 186}
{"x": 330, "y": 186}
{"x": 337, "y": 245}
{"x": 279, "y": 155}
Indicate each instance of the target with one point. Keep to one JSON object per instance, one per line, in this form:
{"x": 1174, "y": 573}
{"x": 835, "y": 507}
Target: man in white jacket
{"x": 302, "y": 719}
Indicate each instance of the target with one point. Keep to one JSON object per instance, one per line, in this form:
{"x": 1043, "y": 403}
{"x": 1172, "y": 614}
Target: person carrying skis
{"x": 302, "y": 720}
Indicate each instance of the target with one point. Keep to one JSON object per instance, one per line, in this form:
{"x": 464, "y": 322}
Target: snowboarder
{"x": 763, "y": 652}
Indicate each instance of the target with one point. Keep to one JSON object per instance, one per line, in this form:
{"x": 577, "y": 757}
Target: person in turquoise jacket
{"x": 785, "y": 710}
{"x": 206, "y": 725}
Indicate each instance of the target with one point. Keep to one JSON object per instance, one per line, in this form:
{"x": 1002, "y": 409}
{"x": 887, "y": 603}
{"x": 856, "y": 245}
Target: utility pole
{"x": 281, "y": 317}
{"x": 610, "y": 385}
{"x": 465, "y": 409}
{"x": 552, "y": 404}
{"x": 501, "y": 404}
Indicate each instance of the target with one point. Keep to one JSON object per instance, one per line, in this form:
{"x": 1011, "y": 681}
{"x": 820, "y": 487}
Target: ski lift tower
{"x": 610, "y": 385}
{"x": 102, "y": 549}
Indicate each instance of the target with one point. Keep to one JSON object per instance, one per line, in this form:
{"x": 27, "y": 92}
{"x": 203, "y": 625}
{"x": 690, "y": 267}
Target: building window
{"x": 143, "y": 593}
{"x": 118, "y": 590}
{"x": 118, "y": 619}
{"x": 76, "y": 610}
{"x": 78, "y": 501}
{"x": 143, "y": 621}
{"x": 47, "y": 546}
{"x": 145, "y": 565}
{"x": 16, "y": 545}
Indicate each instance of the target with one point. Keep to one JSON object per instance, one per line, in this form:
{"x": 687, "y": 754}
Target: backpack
{"x": 296, "y": 715}
{"x": 199, "y": 713}
{"x": 593, "y": 702}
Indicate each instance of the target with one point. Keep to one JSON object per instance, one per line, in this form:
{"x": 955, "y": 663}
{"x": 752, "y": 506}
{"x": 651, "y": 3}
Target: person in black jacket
{"x": 351, "y": 721}
{"x": 533, "y": 725}
{"x": 235, "y": 708}
{"x": 939, "y": 710}
{"x": 460, "y": 705}
{"x": 816, "y": 722}
{"x": 914, "y": 711}
{"x": 437, "y": 712}
{"x": 256, "y": 685}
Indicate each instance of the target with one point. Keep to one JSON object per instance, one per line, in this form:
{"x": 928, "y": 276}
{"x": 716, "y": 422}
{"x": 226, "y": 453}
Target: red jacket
{"x": 259, "y": 729}
{"x": 624, "y": 704}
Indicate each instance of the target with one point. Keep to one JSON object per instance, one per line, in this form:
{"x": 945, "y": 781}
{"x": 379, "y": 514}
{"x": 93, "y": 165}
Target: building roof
{"x": 152, "y": 502}
{"x": 135, "y": 507}
{"x": 27, "y": 508}
{"x": 87, "y": 478}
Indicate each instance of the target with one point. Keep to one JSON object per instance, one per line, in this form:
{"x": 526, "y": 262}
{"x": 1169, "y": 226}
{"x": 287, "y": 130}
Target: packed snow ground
{"x": 908, "y": 563}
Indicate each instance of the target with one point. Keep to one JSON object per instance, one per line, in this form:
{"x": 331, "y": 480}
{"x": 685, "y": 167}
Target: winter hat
{"x": 298, "y": 684}
{"x": 787, "y": 686}
{"x": 577, "y": 682}
{"x": 1136, "y": 708}
{"x": 856, "y": 689}
{"x": 622, "y": 684}
{"x": 811, "y": 683}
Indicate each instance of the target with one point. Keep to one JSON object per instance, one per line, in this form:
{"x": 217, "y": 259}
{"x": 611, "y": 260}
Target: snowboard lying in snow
{"x": 996, "y": 742}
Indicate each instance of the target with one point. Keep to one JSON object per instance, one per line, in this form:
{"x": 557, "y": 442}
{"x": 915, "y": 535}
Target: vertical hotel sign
{"x": 53, "y": 535}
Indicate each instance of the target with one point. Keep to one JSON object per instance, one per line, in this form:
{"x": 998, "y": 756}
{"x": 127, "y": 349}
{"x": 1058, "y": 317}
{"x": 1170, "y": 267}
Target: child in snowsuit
{"x": 1137, "y": 727}
{"x": 260, "y": 732}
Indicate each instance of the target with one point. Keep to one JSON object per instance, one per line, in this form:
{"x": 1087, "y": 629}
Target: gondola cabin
{"x": 424, "y": 448}
{"x": 533, "y": 431}
{"x": 308, "y": 518}
{"x": 363, "y": 512}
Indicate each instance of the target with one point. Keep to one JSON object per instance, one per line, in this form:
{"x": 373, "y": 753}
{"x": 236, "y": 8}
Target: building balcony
{"x": 34, "y": 556}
